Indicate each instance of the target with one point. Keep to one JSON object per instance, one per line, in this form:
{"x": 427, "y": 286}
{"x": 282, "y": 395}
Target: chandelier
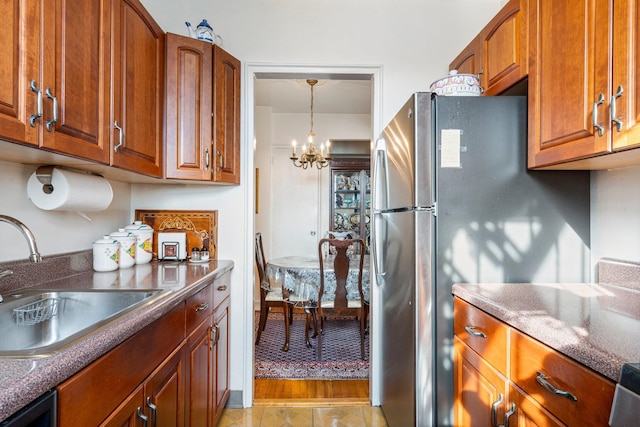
{"x": 310, "y": 155}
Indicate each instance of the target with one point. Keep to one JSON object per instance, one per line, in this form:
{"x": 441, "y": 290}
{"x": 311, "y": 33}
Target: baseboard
{"x": 235, "y": 399}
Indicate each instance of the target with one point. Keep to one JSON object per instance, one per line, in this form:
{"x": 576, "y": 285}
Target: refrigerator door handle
{"x": 380, "y": 202}
{"x": 380, "y": 170}
{"x": 375, "y": 252}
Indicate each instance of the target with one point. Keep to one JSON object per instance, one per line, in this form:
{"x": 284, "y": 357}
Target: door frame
{"x": 250, "y": 73}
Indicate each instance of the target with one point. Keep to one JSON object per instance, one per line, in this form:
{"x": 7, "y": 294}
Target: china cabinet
{"x": 351, "y": 196}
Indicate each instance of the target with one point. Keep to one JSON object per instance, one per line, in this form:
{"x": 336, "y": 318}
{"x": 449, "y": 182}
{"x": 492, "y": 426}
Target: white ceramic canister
{"x": 128, "y": 242}
{"x": 106, "y": 253}
{"x": 144, "y": 245}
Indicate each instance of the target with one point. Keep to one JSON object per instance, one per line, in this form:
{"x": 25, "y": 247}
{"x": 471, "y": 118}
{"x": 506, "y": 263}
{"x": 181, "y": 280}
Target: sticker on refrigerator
{"x": 450, "y": 148}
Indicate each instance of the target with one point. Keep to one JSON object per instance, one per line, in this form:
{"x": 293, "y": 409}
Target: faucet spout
{"x": 31, "y": 240}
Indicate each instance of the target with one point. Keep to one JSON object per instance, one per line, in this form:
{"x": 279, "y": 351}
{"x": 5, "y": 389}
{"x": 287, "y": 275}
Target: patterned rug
{"x": 340, "y": 351}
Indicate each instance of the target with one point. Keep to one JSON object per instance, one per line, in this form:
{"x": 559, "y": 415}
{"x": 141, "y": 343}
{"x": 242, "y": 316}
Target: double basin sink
{"x": 37, "y": 322}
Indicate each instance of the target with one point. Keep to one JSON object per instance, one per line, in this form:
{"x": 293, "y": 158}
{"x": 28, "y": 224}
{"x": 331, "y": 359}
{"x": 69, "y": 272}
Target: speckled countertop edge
{"x": 551, "y": 330}
{"x": 22, "y": 380}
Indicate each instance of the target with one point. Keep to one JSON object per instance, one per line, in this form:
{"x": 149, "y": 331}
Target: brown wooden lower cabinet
{"x": 483, "y": 395}
{"x": 174, "y": 372}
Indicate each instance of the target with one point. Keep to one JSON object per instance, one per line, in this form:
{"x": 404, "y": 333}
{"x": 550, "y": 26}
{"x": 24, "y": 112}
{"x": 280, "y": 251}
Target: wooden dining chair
{"x": 269, "y": 296}
{"x": 340, "y": 304}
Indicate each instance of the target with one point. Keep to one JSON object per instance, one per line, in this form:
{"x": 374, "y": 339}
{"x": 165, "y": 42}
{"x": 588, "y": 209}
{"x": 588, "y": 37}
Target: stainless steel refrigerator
{"x": 453, "y": 202}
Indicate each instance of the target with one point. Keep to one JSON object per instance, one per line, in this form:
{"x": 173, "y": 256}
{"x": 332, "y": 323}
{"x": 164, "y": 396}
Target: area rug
{"x": 340, "y": 351}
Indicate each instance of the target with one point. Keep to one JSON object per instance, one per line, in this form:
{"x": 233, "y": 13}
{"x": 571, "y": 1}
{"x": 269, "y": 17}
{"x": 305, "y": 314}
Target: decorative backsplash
{"x": 619, "y": 272}
{"x": 200, "y": 227}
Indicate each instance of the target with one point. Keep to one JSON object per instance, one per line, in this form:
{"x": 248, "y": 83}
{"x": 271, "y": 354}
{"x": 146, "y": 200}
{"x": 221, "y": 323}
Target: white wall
{"x": 55, "y": 231}
{"x": 615, "y": 214}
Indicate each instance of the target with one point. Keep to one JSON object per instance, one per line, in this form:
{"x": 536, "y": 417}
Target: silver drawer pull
{"x": 542, "y": 380}
{"x": 202, "y": 306}
{"x": 222, "y": 288}
{"x": 472, "y": 330}
{"x": 38, "y": 114}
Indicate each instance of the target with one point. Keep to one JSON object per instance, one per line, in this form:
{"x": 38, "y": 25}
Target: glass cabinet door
{"x": 351, "y": 197}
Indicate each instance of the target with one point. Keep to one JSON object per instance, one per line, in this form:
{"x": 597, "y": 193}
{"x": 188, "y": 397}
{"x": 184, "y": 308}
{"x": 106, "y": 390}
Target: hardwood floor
{"x": 289, "y": 392}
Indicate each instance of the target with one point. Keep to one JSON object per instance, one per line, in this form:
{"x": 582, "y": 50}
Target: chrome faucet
{"x": 31, "y": 240}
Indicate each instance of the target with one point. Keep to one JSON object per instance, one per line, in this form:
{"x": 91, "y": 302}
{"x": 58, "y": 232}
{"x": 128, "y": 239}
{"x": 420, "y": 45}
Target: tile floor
{"x": 276, "y": 416}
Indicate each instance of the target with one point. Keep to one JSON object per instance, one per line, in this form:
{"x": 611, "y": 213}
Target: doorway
{"x": 265, "y": 201}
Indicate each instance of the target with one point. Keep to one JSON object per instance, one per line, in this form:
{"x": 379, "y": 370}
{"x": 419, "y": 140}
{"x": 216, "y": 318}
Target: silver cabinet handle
{"x": 612, "y": 109}
{"x": 206, "y": 158}
{"x": 202, "y": 306}
{"x": 121, "y": 140}
{"x": 542, "y": 380}
{"x": 142, "y": 416}
{"x": 212, "y": 336}
{"x": 594, "y": 115}
{"x": 222, "y": 288}
{"x": 509, "y": 413}
{"x": 472, "y": 330}
{"x": 219, "y": 153}
{"x": 51, "y": 122}
{"x": 34, "y": 117}
{"x": 154, "y": 411}
{"x": 494, "y": 411}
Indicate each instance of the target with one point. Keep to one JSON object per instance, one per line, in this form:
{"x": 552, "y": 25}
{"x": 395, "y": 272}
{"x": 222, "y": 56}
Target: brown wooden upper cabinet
{"x": 583, "y": 101}
{"x": 188, "y": 112}
{"x": 203, "y": 112}
{"x": 226, "y": 116}
{"x": 67, "y": 93}
{"x": 138, "y": 89}
{"x": 498, "y": 54}
{"x": 56, "y": 95}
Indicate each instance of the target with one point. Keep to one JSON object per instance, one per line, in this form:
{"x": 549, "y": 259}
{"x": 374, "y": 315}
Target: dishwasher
{"x": 39, "y": 413}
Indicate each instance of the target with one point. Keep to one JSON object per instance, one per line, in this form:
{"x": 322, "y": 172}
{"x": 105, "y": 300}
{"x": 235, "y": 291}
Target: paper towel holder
{"x": 43, "y": 173}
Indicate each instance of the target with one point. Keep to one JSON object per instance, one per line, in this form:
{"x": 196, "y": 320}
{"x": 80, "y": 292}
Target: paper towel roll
{"x": 72, "y": 191}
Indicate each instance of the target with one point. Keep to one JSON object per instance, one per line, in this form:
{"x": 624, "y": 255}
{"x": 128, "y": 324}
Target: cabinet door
{"x": 188, "y": 109}
{"x": 130, "y": 413}
{"x": 625, "y": 101}
{"x": 568, "y": 72}
{"x": 470, "y": 60}
{"x": 199, "y": 376}
{"x": 479, "y": 390}
{"x": 528, "y": 413}
{"x": 505, "y": 45}
{"x": 221, "y": 359}
{"x": 226, "y": 117}
{"x": 75, "y": 72}
{"x": 138, "y": 89}
{"x": 165, "y": 392}
{"x": 19, "y": 53}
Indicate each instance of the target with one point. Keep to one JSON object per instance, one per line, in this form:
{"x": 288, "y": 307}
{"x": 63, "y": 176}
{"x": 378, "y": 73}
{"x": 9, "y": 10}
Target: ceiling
{"x": 332, "y": 94}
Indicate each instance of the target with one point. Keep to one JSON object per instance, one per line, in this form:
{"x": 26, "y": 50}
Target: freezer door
{"x": 402, "y": 163}
{"x": 403, "y": 244}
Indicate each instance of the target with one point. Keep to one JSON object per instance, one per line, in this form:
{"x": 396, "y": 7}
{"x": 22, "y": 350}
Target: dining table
{"x": 299, "y": 278}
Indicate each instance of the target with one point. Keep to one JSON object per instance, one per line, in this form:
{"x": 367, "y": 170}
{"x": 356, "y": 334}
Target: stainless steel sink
{"x": 38, "y": 322}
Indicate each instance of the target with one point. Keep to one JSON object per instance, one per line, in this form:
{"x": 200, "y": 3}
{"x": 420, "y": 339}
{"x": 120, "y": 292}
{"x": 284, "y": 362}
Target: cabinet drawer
{"x": 486, "y": 335}
{"x": 222, "y": 289}
{"x": 199, "y": 308}
{"x": 590, "y": 396}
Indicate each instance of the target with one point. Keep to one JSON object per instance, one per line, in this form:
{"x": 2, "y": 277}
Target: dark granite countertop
{"x": 24, "y": 379}
{"x": 597, "y": 325}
